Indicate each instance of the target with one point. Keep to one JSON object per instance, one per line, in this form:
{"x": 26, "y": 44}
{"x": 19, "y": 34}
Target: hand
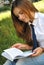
{"x": 22, "y": 46}
{"x": 37, "y": 51}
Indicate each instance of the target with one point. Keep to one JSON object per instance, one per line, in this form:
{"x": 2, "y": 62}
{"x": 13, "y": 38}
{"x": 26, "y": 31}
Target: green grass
{"x": 8, "y": 34}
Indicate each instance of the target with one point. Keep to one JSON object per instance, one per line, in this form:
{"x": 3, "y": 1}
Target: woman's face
{"x": 21, "y": 15}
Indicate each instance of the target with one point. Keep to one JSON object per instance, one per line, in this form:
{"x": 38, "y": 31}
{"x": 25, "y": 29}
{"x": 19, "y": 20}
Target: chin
{"x": 26, "y": 21}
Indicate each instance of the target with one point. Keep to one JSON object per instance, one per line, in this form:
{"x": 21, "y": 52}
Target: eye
{"x": 21, "y": 13}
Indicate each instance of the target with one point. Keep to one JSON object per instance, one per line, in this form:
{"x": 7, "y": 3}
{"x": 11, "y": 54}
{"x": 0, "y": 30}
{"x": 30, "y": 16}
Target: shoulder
{"x": 40, "y": 15}
{"x": 39, "y": 18}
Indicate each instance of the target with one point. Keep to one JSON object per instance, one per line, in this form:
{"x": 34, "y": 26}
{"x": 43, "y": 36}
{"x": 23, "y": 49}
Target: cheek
{"x": 23, "y": 16}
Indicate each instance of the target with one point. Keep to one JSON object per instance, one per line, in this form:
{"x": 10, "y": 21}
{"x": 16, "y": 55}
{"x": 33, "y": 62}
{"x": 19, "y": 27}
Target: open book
{"x": 14, "y": 53}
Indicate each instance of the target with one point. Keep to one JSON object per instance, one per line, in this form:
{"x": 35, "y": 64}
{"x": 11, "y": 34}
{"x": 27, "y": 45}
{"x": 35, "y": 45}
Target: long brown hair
{"x": 23, "y": 29}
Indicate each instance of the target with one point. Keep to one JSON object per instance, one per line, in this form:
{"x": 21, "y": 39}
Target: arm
{"x": 22, "y": 46}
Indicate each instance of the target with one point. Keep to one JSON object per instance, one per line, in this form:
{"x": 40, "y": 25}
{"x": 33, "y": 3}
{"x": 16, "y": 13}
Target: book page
{"x": 7, "y": 56}
{"x": 25, "y": 54}
{"x": 13, "y": 52}
{"x": 28, "y": 53}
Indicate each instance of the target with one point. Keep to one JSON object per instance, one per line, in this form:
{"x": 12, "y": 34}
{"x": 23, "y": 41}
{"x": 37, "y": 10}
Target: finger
{"x": 16, "y": 45}
{"x": 35, "y": 54}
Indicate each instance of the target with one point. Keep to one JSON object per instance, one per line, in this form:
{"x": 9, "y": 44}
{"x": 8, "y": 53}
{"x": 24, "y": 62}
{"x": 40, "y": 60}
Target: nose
{"x": 20, "y": 17}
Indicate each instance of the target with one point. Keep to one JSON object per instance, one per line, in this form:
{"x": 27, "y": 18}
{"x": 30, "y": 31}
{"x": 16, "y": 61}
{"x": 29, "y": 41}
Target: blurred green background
{"x": 8, "y": 34}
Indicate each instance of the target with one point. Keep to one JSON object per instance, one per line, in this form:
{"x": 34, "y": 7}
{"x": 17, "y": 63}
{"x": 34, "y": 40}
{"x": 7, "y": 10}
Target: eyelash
{"x": 21, "y": 12}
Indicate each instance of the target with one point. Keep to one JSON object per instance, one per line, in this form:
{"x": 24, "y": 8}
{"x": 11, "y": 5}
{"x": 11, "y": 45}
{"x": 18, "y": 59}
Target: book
{"x": 14, "y": 53}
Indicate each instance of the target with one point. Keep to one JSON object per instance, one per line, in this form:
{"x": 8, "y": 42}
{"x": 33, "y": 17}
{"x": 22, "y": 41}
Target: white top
{"x": 39, "y": 28}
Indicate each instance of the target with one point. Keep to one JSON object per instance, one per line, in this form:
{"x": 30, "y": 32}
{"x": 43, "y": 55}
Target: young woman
{"x": 23, "y": 14}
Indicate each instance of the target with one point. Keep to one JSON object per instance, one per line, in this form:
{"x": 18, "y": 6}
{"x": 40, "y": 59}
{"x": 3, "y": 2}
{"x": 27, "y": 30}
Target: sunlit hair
{"x": 23, "y": 29}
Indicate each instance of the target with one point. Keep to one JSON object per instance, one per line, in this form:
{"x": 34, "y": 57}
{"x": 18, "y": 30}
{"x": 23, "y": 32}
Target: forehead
{"x": 16, "y": 11}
